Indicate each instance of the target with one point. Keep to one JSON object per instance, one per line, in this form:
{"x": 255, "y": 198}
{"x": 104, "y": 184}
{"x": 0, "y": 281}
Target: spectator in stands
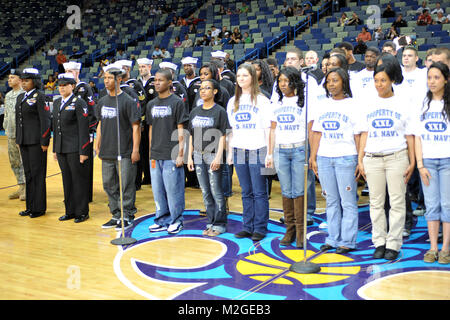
{"x": 289, "y": 12}
{"x": 88, "y": 33}
{"x": 121, "y": 55}
{"x": 355, "y": 20}
{"x": 61, "y": 59}
{"x": 353, "y": 64}
{"x": 440, "y": 19}
{"x": 236, "y": 36}
{"x": 442, "y": 55}
{"x": 422, "y": 8}
{"x": 244, "y": 8}
{"x": 399, "y": 22}
{"x": 52, "y": 51}
{"x": 378, "y": 34}
{"x": 177, "y": 42}
{"x": 343, "y": 19}
{"x": 273, "y": 66}
{"x": 247, "y": 38}
{"x": 391, "y": 34}
{"x": 214, "y": 42}
{"x": 192, "y": 29}
{"x": 424, "y": 19}
{"x": 437, "y": 9}
{"x": 157, "y": 53}
{"x": 111, "y": 32}
{"x": 165, "y": 54}
{"x": 364, "y": 35}
{"x": 222, "y": 10}
{"x": 50, "y": 84}
{"x": 214, "y": 31}
{"x": 388, "y": 12}
{"x": 204, "y": 41}
{"x": 224, "y": 32}
{"x": 187, "y": 43}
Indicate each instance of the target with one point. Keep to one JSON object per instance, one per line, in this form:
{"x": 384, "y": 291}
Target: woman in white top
{"x": 334, "y": 159}
{"x": 432, "y": 141}
{"x": 248, "y": 113}
{"x": 386, "y": 156}
{"x": 287, "y": 144}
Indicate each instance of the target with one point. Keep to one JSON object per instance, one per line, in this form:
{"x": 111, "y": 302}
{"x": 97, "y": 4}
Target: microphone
{"x": 309, "y": 68}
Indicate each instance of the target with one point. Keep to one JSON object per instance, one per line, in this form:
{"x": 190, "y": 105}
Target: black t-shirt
{"x": 356, "y": 66}
{"x": 129, "y": 113}
{"x": 206, "y": 127}
{"x": 164, "y": 115}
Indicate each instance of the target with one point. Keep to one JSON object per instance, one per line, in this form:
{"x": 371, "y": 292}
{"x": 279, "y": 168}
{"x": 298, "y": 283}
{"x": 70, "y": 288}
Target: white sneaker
{"x": 175, "y": 228}
{"x": 156, "y": 227}
{"x": 323, "y": 225}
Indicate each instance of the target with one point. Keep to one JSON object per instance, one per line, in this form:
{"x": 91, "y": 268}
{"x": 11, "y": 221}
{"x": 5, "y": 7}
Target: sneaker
{"x": 430, "y": 256}
{"x": 323, "y": 225}
{"x": 243, "y": 234}
{"x": 420, "y": 211}
{"x": 110, "y": 224}
{"x": 156, "y": 228}
{"x": 206, "y": 232}
{"x": 444, "y": 257}
{"x": 175, "y": 228}
{"x": 214, "y": 233}
{"x": 365, "y": 191}
{"x": 406, "y": 232}
{"x": 126, "y": 225}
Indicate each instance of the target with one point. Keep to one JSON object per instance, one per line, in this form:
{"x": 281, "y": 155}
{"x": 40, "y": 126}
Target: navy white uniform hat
{"x": 72, "y": 65}
{"x": 30, "y": 73}
{"x": 219, "y": 54}
{"x": 168, "y": 65}
{"x": 189, "y": 60}
{"x": 113, "y": 67}
{"x": 125, "y": 63}
{"x": 66, "y": 78}
{"x": 145, "y": 61}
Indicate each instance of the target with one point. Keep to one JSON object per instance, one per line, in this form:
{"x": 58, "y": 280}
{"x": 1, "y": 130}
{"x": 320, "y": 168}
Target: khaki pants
{"x": 16, "y": 161}
{"x": 390, "y": 170}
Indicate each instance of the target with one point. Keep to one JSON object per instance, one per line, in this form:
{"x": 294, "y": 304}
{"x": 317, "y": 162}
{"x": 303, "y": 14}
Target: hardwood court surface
{"x": 44, "y": 258}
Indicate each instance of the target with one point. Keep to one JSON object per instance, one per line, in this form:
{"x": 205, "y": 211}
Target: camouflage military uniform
{"x": 10, "y": 131}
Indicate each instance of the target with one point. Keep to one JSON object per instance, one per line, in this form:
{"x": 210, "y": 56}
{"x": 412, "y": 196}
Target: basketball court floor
{"x": 45, "y": 259}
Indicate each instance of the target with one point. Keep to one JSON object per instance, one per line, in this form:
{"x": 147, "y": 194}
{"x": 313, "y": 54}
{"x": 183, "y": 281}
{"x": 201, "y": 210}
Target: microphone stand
{"x": 305, "y": 266}
{"x": 122, "y": 240}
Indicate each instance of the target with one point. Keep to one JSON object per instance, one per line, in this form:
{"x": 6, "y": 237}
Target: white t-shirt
{"x": 249, "y": 122}
{"x": 415, "y": 83}
{"x": 290, "y": 119}
{"x": 433, "y": 130}
{"x": 363, "y": 85}
{"x": 387, "y": 121}
{"x": 338, "y": 121}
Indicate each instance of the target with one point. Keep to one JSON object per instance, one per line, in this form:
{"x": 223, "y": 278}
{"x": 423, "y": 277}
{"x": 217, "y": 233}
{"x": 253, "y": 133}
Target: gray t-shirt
{"x": 106, "y": 112}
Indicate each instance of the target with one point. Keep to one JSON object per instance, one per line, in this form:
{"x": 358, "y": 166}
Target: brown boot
{"x": 289, "y": 221}
{"x": 299, "y": 213}
{"x": 22, "y": 193}
{"x": 14, "y": 195}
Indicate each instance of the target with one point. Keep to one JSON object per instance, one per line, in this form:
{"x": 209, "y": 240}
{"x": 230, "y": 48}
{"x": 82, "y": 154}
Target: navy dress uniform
{"x": 33, "y": 132}
{"x": 71, "y": 139}
{"x": 83, "y": 91}
{"x": 192, "y": 86}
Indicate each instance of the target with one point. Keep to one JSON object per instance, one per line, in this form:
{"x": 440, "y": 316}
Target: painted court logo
{"x": 190, "y": 266}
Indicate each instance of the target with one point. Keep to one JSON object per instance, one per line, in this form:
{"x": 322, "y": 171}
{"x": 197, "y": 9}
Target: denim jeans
{"x": 339, "y": 188}
{"x": 437, "y": 193}
{"x": 289, "y": 164}
{"x": 249, "y": 165}
{"x": 227, "y": 180}
{"x": 213, "y": 197}
{"x": 110, "y": 176}
{"x": 168, "y": 191}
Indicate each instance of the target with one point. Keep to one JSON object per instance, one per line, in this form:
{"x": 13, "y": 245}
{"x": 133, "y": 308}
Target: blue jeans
{"x": 227, "y": 180}
{"x": 437, "y": 194}
{"x": 289, "y": 164}
{"x": 213, "y": 197}
{"x": 339, "y": 188}
{"x": 249, "y": 165}
{"x": 168, "y": 191}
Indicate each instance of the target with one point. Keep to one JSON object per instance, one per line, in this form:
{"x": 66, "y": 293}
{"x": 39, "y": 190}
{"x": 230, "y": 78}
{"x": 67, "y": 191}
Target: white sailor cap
{"x": 145, "y": 61}
{"x": 113, "y": 67}
{"x": 168, "y": 65}
{"x": 218, "y": 54}
{"x": 72, "y": 65}
{"x": 189, "y": 60}
{"x": 125, "y": 63}
{"x": 30, "y": 73}
{"x": 65, "y": 78}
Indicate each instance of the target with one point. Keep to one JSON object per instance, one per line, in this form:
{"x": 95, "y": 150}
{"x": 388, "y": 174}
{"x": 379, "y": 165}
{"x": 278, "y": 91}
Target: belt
{"x": 382, "y": 155}
{"x": 290, "y": 145}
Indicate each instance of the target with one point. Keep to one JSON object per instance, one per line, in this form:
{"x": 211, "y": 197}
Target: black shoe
{"x": 24, "y": 213}
{"x": 81, "y": 218}
{"x": 66, "y": 217}
{"x": 342, "y": 250}
{"x": 256, "y": 236}
{"x": 36, "y": 214}
{"x": 390, "y": 254}
{"x": 326, "y": 247}
{"x": 379, "y": 252}
{"x": 243, "y": 234}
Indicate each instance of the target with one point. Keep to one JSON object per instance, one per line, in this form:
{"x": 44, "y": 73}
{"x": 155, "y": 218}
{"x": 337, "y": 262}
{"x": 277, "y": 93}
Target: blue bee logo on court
{"x": 243, "y": 116}
{"x": 285, "y": 118}
{"x": 382, "y": 123}
{"x": 436, "y": 126}
{"x": 331, "y": 125}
